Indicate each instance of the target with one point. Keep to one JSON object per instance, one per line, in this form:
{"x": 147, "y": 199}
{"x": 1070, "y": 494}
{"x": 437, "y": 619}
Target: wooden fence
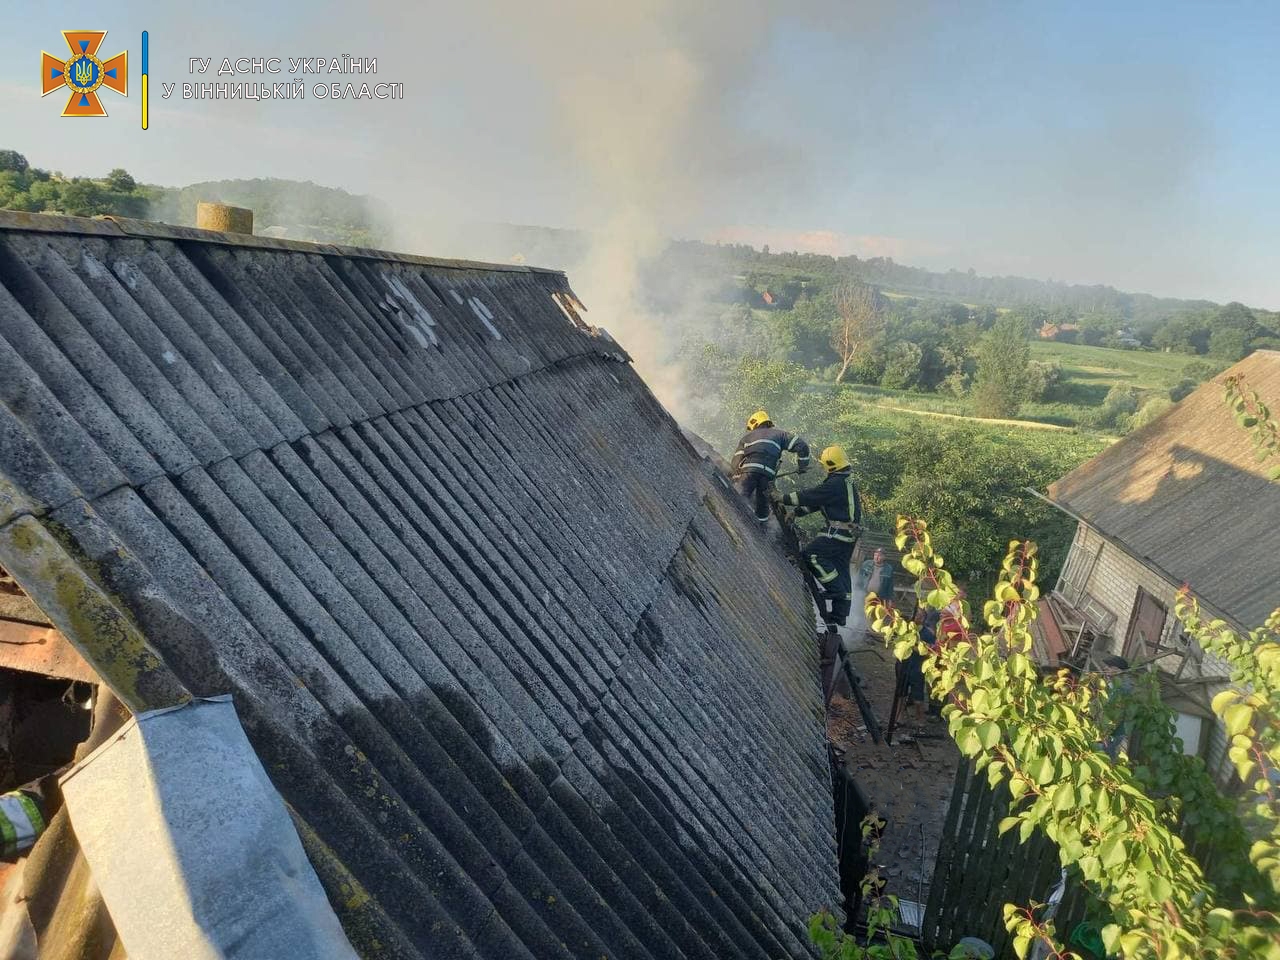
{"x": 977, "y": 871}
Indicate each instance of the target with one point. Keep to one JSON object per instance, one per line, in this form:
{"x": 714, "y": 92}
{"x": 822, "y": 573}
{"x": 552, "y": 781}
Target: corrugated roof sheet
{"x": 516, "y": 660}
{"x": 1187, "y": 494}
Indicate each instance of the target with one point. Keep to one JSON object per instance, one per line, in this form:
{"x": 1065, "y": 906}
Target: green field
{"x": 1101, "y": 365}
{"x": 1088, "y": 374}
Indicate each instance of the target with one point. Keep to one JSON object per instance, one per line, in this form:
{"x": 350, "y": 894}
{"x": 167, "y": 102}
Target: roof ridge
{"x": 113, "y": 226}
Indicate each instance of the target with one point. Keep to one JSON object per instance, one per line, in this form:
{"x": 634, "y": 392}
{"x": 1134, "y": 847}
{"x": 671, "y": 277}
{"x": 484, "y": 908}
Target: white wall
{"x": 1188, "y": 729}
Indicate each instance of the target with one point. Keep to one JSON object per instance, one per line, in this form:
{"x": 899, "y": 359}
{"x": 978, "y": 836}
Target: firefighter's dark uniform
{"x": 829, "y": 553}
{"x": 755, "y": 463}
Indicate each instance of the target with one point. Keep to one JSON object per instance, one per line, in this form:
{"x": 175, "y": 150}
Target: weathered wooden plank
{"x": 1014, "y": 861}
{"x": 942, "y": 869}
{"x": 979, "y": 830}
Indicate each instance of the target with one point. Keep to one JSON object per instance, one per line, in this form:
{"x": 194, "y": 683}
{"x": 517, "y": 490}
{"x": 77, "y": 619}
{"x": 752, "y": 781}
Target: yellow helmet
{"x": 834, "y": 458}
{"x": 758, "y": 419}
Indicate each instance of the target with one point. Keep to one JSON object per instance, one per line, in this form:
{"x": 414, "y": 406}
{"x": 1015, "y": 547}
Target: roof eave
{"x": 1146, "y": 561}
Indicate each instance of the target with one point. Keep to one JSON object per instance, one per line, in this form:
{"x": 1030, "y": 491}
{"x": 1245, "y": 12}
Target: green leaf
{"x": 1089, "y": 866}
{"x": 1041, "y": 769}
{"x": 1161, "y": 889}
{"x": 1064, "y": 797}
{"x": 1007, "y": 824}
{"x": 1112, "y": 851}
{"x": 1111, "y": 937}
{"x": 1131, "y": 943}
{"x": 1224, "y": 700}
{"x": 994, "y": 773}
{"x": 989, "y": 734}
{"x": 1237, "y": 718}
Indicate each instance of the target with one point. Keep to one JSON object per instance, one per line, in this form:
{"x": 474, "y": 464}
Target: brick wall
{"x": 1113, "y": 581}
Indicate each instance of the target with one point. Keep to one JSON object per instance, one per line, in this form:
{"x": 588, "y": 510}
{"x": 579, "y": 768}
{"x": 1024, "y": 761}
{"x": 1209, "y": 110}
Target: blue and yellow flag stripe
{"x": 146, "y": 56}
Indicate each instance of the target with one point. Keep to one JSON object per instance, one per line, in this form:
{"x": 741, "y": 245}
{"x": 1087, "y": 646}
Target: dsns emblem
{"x": 83, "y": 74}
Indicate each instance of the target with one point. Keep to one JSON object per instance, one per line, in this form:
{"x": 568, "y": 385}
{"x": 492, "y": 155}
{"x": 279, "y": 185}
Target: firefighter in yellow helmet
{"x": 755, "y": 462}
{"x": 829, "y": 553}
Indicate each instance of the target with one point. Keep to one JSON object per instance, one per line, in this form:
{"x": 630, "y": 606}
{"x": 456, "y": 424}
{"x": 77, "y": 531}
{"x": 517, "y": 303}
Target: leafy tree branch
{"x": 1042, "y": 737}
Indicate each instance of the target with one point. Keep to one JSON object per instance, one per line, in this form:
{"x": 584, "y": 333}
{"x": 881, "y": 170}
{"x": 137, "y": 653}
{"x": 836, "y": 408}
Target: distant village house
{"x": 1181, "y": 501}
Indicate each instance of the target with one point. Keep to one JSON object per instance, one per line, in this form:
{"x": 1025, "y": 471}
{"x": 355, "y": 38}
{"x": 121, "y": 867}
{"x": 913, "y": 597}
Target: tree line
{"x": 291, "y": 208}
{"x": 786, "y": 273}
{"x": 23, "y": 187}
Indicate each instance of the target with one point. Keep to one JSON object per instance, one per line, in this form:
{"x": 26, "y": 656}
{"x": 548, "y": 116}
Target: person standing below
{"x": 877, "y": 575}
{"x": 1119, "y": 685}
{"x": 915, "y": 696}
{"x": 828, "y": 554}
{"x": 755, "y": 462}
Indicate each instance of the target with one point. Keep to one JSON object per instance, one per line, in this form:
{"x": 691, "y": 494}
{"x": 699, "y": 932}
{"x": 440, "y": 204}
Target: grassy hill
{"x": 1088, "y": 376}
{"x": 1103, "y": 366}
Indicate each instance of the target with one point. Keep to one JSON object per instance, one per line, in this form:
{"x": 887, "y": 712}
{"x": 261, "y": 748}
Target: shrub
{"x": 1121, "y": 399}
{"x": 1183, "y": 388}
{"x": 1149, "y": 411}
{"x": 1201, "y": 370}
{"x": 957, "y": 384}
{"x": 867, "y": 367}
{"x": 1042, "y": 377}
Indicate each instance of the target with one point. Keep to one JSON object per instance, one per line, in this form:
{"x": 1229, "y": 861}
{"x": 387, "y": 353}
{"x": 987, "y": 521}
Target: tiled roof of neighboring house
{"x": 514, "y": 656}
{"x": 1187, "y": 494}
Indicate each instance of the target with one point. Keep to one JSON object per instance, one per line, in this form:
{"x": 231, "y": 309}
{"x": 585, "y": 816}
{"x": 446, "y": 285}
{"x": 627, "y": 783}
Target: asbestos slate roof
{"x": 1187, "y": 494}
{"x": 526, "y": 677}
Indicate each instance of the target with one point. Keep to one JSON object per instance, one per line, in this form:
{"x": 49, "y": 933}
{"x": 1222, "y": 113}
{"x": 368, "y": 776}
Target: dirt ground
{"x": 908, "y": 783}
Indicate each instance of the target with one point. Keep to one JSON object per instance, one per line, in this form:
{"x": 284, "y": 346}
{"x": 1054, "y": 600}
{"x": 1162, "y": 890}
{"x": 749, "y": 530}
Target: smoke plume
{"x": 643, "y": 101}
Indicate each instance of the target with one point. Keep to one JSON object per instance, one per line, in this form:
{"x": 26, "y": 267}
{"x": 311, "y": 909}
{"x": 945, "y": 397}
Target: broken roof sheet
{"x": 527, "y": 679}
{"x": 1186, "y": 494}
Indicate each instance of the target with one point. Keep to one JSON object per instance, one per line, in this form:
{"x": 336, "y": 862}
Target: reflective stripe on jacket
{"x": 836, "y": 497}
{"x": 762, "y": 448}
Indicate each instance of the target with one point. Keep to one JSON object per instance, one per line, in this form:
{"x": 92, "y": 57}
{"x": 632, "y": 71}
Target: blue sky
{"x": 1129, "y": 144}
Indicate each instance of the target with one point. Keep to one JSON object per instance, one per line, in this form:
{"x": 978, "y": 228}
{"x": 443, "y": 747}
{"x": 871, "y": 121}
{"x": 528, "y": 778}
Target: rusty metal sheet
{"x": 35, "y": 649}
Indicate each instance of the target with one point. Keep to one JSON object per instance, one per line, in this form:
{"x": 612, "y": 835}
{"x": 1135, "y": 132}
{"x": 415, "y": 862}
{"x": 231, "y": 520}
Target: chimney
{"x": 224, "y": 218}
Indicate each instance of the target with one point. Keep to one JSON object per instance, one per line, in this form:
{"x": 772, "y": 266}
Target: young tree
{"x": 13, "y": 160}
{"x": 805, "y": 332}
{"x": 860, "y": 309}
{"x": 1117, "y": 823}
{"x": 1003, "y": 359}
{"x": 902, "y": 366}
{"x": 120, "y": 181}
{"x": 84, "y": 198}
{"x": 1230, "y": 343}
